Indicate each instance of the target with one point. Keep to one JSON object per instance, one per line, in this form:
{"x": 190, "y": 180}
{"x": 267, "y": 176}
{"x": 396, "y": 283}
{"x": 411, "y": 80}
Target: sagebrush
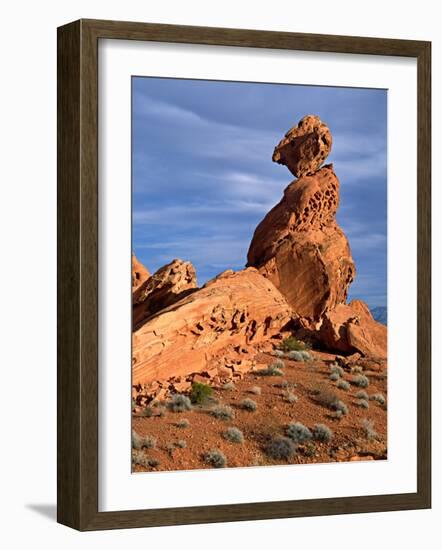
{"x": 179, "y": 403}
{"x": 280, "y": 447}
{"x": 234, "y": 435}
{"x": 215, "y": 458}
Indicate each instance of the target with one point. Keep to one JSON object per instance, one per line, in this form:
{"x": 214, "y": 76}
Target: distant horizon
{"x": 203, "y": 176}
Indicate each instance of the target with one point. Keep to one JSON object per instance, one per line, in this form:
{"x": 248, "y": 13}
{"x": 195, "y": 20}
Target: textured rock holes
{"x": 320, "y": 209}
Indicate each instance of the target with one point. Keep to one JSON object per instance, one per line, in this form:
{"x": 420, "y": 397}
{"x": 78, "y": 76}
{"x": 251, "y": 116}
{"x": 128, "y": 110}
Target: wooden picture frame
{"x": 78, "y": 274}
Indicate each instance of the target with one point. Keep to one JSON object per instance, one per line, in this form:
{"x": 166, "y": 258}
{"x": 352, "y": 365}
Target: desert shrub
{"x": 283, "y": 384}
{"x": 330, "y": 400}
{"x": 343, "y": 385}
{"x": 357, "y": 369}
{"x": 280, "y": 447}
{"x": 298, "y": 433}
{"x": 293, "y": 344}
{"x": 142, "y": 460}
{"x": 200, "y": 393}
{"x": 234, "y": 435}
{"x": 158, "y": 408}
{"x": 223, "y": 412}
{"x": 248, "y": 405}
{"x": 290, "y": 397}
{"x": 183, "y": 423}
{"x": 256, "y": 390}
{"x": 325, "y": 396}
{"x": 229, "y": 386}
{"x": 181, "y": 444}
{"x": 368, "y": 429}
{"x": 270, "y": 370}
{"x": 279, "y": 364}
{"x": 215, "y": 458}
{"x": 179, "y": 403}
{"x": 362, "y": 395}
{"x": 138, "y": 457}
{"x": 309, "y": 449}
{"x": 147, "y": 412}
{"x": 334, "y": 376}
{"x": 340, "y": 407}
{"x": 278, "y": 353}
{"x": 321, "y": 432}
{"x": 379, "y": 397}
{"x": 299, "y": 356}
{"x": 363, "y": 403}
{"x": 334, "y": 368}
{"x": 142, "y": 442}
{"x": 360, "y": 380}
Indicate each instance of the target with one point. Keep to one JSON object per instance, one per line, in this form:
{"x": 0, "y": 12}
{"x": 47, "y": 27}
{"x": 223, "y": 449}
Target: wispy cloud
{"x": 194, "y": 213}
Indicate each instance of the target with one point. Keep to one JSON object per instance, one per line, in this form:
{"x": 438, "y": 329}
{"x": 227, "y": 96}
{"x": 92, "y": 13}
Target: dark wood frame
{"x": 78, "y": 268}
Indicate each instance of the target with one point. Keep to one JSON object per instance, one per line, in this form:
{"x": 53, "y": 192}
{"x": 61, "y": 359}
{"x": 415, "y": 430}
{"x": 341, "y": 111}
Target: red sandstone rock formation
{"x": 351, "y": 328}
{"x": 304, "y": 147}
{"x": 302, "y": 250}
{"x": 139, "y": 273}
{"x": 165, "y": 287}
{"x": 215, "y": 326}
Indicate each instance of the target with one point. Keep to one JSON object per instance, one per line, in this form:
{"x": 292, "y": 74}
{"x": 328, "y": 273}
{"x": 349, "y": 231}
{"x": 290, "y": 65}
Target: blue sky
{"x": 203, "y": 176}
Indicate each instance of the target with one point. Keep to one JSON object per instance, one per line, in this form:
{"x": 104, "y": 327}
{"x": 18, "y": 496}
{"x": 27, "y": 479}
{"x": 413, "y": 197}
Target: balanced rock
{"x": 351, "y": 328}
{"x": 209, "y": 327}
{"x": 165, "y": 287}
{"x": 302, "y": 250}
{"x": 304, "y": 147}
{"x": 139, "y": 273}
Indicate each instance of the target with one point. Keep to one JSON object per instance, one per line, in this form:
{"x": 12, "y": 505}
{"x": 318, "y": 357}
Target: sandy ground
{"x": 274, "y": 412}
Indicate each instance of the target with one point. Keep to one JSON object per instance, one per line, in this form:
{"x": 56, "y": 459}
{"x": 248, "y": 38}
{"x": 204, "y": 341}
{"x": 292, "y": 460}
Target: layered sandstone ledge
{"x": 221, "y": 323}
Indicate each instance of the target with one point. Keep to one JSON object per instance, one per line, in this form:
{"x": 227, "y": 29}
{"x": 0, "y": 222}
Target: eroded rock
{"x": 139, "y": 273}
{"x": 302, "y": 250}
{"x": 304, "y": 147}
{"x": 165, "y": 287}
{"x": 351, "y": 328}
{"x": 209, "y": 328}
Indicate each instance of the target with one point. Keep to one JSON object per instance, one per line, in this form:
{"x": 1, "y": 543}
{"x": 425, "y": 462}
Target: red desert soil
{"x": 274, "y": 412}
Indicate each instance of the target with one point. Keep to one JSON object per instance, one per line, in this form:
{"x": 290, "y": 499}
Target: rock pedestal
{"x": 298, "y": 245}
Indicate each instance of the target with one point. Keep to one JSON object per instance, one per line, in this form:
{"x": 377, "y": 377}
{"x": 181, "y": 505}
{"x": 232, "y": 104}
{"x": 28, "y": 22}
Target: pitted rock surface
{"x": 165, "y": 287}
{"x": 302, "y": 250}
{"x": 215, "y": 326}
{"x": 304, "y": 147}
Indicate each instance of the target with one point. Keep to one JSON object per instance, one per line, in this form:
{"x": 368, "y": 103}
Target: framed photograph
{"x": 243, "y": 275}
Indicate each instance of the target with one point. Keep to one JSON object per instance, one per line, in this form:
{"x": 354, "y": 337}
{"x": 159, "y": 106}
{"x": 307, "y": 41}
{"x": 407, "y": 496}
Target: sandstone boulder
{"x": 301, "y": 249}
{"x": 210, "y": 327}
{"x": 351, "y": 328}
{"x": 165, "y": 287}
{"x": 304, "y": 147}
{"x": 139, "y": 273}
